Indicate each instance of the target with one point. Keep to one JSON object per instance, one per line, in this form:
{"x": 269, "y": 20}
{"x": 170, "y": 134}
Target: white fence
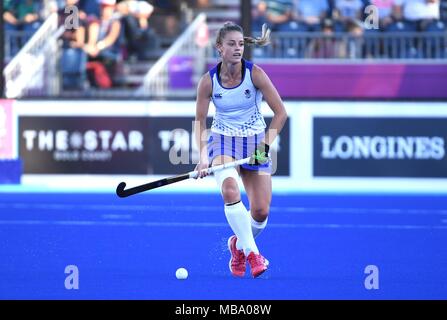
{"x": 33, "y": 71}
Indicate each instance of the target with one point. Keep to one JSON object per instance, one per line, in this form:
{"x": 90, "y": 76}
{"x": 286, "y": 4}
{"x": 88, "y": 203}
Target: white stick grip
{"x": 194, "y": 174}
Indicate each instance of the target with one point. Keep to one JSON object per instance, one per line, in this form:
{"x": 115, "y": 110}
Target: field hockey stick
{"x": 163, "y": 182}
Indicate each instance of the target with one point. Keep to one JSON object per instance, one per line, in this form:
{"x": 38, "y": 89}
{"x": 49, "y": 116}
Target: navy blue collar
{"x": 219, "y": 65}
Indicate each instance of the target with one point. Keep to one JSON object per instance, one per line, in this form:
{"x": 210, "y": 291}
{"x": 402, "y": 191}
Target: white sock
{"x": 239, "y": 221}
{"x": 257, "y": 227}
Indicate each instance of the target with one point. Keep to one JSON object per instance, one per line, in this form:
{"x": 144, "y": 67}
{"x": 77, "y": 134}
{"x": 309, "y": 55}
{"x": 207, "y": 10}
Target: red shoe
{"x": 237, "y": 261}
{"x": 258, "y": 264}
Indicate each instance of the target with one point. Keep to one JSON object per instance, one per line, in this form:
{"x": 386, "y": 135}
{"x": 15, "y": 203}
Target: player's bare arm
{"x": 271, "y": 96}
{"x": 202, "y": 106}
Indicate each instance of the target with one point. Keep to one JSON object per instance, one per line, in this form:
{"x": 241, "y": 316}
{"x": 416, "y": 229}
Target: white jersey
{"x": 237, "y": 108}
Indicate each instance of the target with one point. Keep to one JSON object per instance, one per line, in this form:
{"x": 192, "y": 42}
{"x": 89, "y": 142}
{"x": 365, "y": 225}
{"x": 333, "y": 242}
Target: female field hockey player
{"x": 236, "y": 87}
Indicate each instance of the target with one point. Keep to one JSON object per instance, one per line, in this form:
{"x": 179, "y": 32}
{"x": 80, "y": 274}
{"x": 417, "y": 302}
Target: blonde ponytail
{"x": 263, "y": 40}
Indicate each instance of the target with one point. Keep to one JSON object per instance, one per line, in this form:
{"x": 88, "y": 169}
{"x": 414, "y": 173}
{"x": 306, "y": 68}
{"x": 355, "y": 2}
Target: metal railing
{"x": 33, "y": 71}
{"x": 178, "y": 71}
{"x": 420, "y": 46}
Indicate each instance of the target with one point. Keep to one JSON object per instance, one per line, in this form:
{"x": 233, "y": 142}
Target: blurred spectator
{"x": 74, "y": 59}
{"x": 388, "y": 12}
{"x": 103, "y": 47}
{"x": 443, "y": 10}
{"x": 348, "y": 11}
{"x": 168, "y": 17}
{"x": 419, "y": 14}
{"x": 422, "y": 15}
{"x": 91, "y": 9}
{"x": 198, "y": 3}
{"x": 355, "y": 41}
{"x": 139, "y": 37}
{"x": 276, "y": 13}
{"x": 21, "y": 20}
{"x": 311, "y": 13}
{"x": 328, "y": 46}
{"x": 414, "y": 10}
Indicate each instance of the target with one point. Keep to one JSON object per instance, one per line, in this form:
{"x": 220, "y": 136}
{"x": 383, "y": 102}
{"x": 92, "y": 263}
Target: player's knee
{"x": 260, "y": 213}
{"x": 230, "y": 191}
{"x": 227, "y": 181}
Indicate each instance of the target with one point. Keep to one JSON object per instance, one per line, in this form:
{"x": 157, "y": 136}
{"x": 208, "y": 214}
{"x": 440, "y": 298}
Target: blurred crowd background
{"x": 108, "y": 47}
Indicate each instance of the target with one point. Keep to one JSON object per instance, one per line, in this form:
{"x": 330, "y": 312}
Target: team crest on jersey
{"x": 218, "y": 95}
{"x": 247, "y": 93}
